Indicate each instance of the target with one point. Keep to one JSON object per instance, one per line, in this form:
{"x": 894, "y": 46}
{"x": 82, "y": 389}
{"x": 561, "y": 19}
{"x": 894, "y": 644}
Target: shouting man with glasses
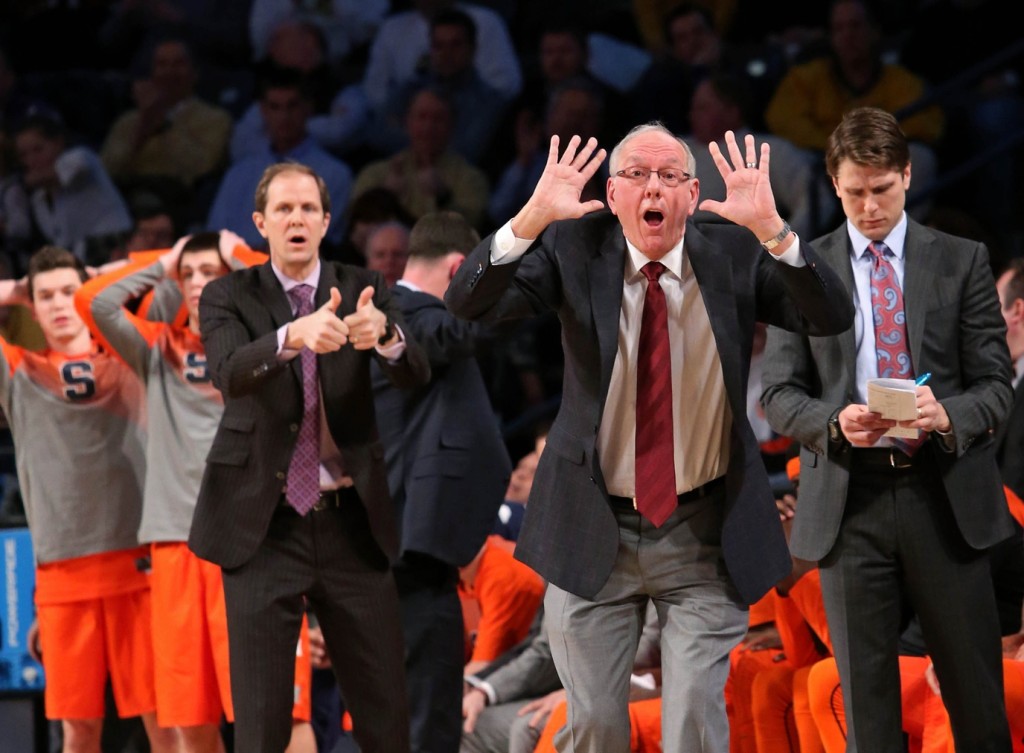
{"x": 653, "y": 488}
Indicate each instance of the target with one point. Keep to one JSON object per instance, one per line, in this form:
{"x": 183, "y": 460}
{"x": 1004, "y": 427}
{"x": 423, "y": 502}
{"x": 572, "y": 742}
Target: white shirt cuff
{"x": 506, "y": 247}
{"x": 792, "y": 255}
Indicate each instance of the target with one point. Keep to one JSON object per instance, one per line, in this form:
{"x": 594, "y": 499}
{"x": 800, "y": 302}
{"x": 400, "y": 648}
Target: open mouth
{"x": 653, "y": 218}
{"x": 298, "y": 238}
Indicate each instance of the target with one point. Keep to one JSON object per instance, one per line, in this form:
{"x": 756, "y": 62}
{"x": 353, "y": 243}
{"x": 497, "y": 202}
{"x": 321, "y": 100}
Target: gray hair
{"x": 653, "y": 126}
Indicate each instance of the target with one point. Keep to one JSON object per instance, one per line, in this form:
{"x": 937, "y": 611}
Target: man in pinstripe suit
{"x": 897, "y": 528}
{"x": 281, "y": 538}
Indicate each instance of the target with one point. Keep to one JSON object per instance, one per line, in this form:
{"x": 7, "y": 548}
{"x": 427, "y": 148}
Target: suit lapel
{"x": 605, "y": 271}
{"x": 918, "y": 287}
{"x": 275, "y": 300}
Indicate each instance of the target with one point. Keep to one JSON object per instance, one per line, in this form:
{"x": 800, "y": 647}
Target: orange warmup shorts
{"x": 94, "y": 620}
{"x": 190, "y": 642}
{"x": 190, "y": 639}
{"x": 302, "y": 711}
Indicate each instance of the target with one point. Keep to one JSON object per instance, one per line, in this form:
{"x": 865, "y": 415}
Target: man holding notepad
{"x": 900, "y": 524}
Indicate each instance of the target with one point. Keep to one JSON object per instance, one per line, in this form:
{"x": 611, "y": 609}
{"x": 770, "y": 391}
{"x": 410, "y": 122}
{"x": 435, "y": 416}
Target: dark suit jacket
{"x": 1010, "y": 444}
{"x": 570, "y": 535}
{"x": 448, "y": 467}
{"x": 248, "y": 461}
{"x": 956, "y": 332}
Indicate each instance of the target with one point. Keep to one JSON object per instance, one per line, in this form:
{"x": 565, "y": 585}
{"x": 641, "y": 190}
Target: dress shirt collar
{"x": 408, "y": 285}
{"x": 895, "y": 240}
{"x": 288, "y": 283}
{"x": 673, "y": 261}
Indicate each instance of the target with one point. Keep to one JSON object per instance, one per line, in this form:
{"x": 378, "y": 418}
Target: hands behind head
{"x": 171, "y": 257}
{"x": 229, "y": 241}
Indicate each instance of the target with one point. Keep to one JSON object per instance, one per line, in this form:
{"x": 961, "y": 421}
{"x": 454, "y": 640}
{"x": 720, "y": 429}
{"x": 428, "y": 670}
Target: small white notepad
{"x": 895, "y": 399}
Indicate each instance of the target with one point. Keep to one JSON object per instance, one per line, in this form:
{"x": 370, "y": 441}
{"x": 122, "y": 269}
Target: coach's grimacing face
{"x": 653, "y": 216}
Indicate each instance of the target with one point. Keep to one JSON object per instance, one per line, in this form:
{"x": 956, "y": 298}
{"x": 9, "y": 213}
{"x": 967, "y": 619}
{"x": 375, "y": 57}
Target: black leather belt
{"x": 886, "y": 460}
{"x": 333, "y": 498}
{"x": 627, "y": 504}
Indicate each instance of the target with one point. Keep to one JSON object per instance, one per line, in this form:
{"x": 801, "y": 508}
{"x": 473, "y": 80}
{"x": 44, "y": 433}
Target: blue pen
{"x": 923, "y": 378}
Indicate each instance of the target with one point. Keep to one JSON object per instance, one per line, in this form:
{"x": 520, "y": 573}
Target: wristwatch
{"x": 774, "y": 241}
{"x": 389, "y": 332}
{"x": 835, "y": 433}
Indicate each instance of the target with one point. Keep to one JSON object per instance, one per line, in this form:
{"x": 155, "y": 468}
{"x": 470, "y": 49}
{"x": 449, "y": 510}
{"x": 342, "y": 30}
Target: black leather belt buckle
{"x": 883, "y": 459}
{"x": 326, "y": 500}
{"x": 899, "y": 459}
{"x": 335, "y": 498}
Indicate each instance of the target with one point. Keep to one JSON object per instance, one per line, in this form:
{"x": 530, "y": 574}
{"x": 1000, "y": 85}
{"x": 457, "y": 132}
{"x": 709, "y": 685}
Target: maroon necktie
{"x": 304, "y": 469}
{"x": 890, "y": 319}
{"x": 655, "y": 456}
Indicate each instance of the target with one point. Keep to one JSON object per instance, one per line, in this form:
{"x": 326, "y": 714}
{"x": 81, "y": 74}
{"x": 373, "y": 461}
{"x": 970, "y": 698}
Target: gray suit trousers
{"x": 679, "y": 567}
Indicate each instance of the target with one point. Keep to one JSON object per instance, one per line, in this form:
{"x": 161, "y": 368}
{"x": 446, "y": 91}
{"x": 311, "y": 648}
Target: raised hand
{"x": 229, "y": 241}
{"x": 367, "y": 323}
{"x": 170, "y": 258}
{"x": 322, "y": 331}
{"x": 557, "y": 194}
{"x": 749, "y": 200}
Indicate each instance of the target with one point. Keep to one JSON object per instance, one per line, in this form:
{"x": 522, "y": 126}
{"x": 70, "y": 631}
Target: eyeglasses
{"x": 668, "y": 177}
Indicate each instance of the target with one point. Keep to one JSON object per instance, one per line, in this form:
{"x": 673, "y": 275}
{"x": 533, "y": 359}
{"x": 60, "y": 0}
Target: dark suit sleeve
{"x": 446, "y": 339}
{"x": 810, "y": 299}
{"x": 238, "y": 364}
{"x": 501, "y": 292}
{"x": 411, "y": 369}
{"x": 983, "y": 357}
{"x": 792, "y": 384}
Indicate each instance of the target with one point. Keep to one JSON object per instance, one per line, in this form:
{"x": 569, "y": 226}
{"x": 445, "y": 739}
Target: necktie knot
{"x": 652, "y": 270}
{"x": 301, "y": 297}
{"x": 879, "y": 250}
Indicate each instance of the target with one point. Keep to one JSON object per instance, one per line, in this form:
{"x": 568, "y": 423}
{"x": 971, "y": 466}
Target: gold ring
{"x": 919, "y": 414}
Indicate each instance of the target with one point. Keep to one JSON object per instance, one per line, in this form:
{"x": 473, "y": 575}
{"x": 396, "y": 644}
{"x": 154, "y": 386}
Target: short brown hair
{"x": 279, "y": 168}
{"x": 49, "y": 258}
{"x": 869, "y": 137}
{"x": 208, "y": 240}
{"x": 436, "y": 234}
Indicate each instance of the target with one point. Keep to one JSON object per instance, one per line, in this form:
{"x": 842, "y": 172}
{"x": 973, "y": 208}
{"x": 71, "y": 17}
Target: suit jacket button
{"x": 293, "y": 428}
{"x": 280, "y": 475}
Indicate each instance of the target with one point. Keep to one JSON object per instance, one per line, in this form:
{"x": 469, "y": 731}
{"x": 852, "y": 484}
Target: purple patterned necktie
{"x": 304, "y": 468}
{"x": 891, "y": 346}
{"x": 655, "y": 455}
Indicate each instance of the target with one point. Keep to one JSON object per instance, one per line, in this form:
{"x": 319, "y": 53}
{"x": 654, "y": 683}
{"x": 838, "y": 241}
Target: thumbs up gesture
{"x": 367, "y": 324}
{"x": 322, "y": 331}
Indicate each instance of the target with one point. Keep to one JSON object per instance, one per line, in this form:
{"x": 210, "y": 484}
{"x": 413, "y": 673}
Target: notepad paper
{"x": 895, "y": 399}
